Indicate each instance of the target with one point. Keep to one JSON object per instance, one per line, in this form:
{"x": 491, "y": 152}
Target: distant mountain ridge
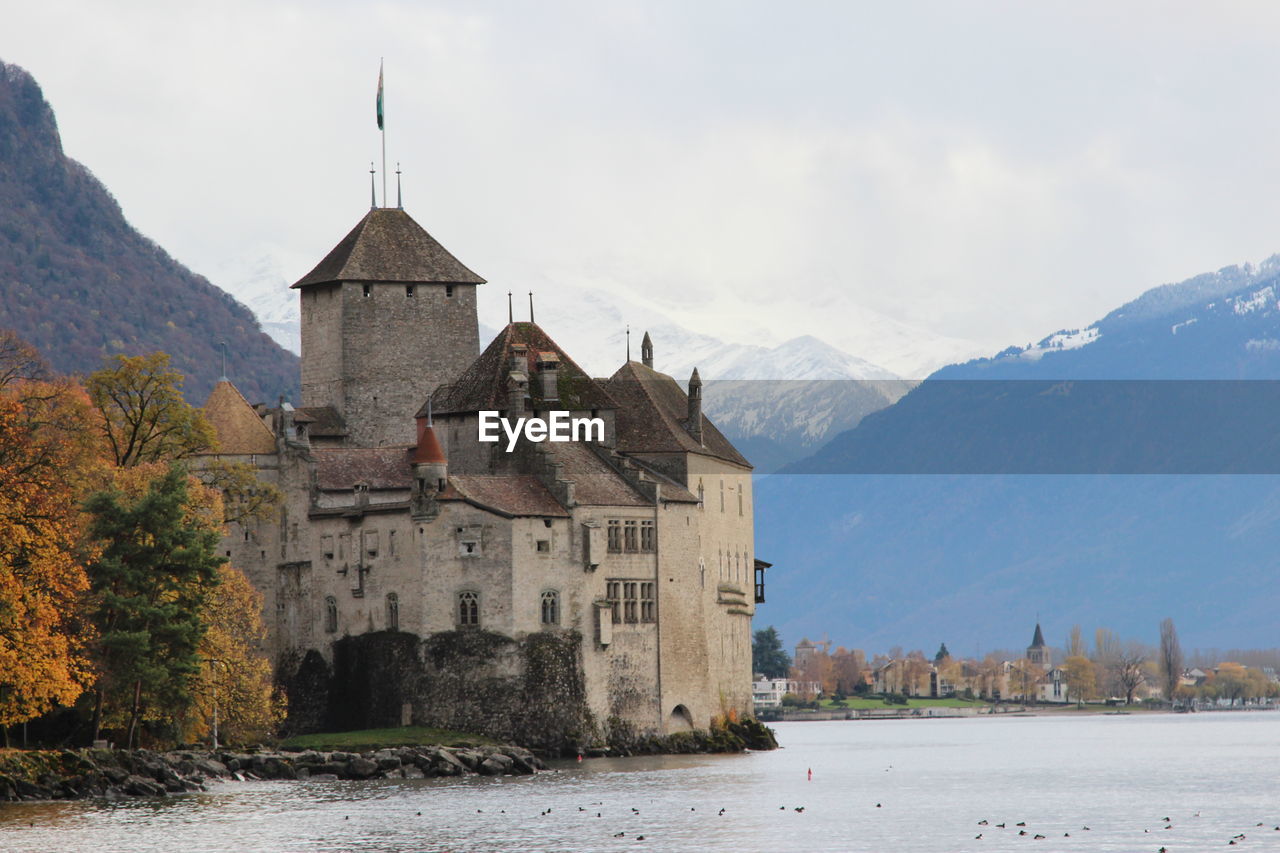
{"x": 78, "y": 282}
{"x": 776, "y": 404}
{"x": 949, "y": 516}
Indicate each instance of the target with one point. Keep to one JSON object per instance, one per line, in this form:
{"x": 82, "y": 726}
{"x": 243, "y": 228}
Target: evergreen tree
{"x": 158, "y": 565}
{"x": 767, "y": 656}
{"x": 942, "y": 654}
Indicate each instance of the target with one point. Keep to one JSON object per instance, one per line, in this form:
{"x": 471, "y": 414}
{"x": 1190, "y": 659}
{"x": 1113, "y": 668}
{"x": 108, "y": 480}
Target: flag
{"x": 379, "y": 96}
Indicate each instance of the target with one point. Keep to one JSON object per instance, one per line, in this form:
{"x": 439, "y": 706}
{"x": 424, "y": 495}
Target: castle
{"x": 415, "y": 574}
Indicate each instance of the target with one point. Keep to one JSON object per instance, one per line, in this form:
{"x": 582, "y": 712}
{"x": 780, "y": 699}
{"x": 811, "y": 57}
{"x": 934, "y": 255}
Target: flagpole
{"x": 383, "y": 128}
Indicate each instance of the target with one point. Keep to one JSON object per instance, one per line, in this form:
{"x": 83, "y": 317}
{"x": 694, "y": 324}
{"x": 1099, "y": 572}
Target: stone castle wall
{"x": 377, "y": 357}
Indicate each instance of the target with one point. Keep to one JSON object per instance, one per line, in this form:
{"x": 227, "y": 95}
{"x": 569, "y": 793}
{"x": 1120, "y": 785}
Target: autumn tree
{"x": 1231, "y": 681}
{"x": 143, "y": 416}
{"x": 235, "y": 680}
{"x": 915, "y": 674}
{"x": 47, "y": 455}
{"x": 850, "y": 670}
{"x": 150, "y": 585}
{"x": 1082, "y": 678}
{"x": 245, "y": 497}
{"x": 1170, "y": 659}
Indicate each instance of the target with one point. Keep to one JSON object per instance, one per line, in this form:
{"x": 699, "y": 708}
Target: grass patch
{"x": 872, "y": 703}
{"x": 368, "y": 739}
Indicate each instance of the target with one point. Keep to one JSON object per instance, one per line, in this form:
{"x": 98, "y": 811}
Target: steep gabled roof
{"x": 387, "y": 245}
{"x": 483, "y": 385}
{"x": 521, "y": 495}
{"x": 342, "y": 468}
{"x": 240, "y": 430}
{"x": 323, "y": 420}
{"x": 653, "y": 416}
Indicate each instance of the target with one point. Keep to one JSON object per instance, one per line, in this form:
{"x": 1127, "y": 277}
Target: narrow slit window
{"x": 393, "y": 612}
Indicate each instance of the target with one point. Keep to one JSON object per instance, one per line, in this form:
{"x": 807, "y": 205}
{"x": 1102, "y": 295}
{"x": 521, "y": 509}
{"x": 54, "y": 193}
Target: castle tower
{"x": 1038, "y": 652}
{"x": 387, "y": 316}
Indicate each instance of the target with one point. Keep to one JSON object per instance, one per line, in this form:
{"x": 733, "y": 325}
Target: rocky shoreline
{"x": 115, "y": 774}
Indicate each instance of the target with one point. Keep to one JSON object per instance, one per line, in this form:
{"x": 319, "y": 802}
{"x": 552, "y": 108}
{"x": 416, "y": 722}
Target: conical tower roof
{"x": 239, "y": 429}
{"x": 388, "y": 245}
{"x": 1037, "y": 642}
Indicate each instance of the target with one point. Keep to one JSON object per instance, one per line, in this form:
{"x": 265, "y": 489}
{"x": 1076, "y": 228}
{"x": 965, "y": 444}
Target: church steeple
{"x": 1038, "y": 652}
{"x": 646, "y": 351}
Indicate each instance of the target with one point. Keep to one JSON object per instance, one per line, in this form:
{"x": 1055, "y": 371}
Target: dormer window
{"x": 366, "y": 290}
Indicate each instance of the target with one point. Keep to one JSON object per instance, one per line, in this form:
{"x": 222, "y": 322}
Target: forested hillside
{"x": 78, "y": 282}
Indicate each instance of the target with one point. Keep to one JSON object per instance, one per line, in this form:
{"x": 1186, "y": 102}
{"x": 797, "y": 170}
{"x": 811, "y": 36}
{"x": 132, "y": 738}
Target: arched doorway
{"x": 680, "y": 720}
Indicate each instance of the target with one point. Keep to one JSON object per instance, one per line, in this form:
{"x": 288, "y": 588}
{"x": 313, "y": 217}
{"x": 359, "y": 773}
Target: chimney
{"x": 517, "y": 380}
{"x": 646, "y": 351}
{"x": 549, "y": 373}
{"x": 695, "y": 407}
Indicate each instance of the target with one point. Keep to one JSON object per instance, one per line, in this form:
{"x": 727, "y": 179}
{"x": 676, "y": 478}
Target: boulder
{"x": 362, "y": 768}
{"x": 139, "y": 786}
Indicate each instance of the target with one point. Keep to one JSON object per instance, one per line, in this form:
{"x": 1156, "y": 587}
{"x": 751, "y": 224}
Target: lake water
{"x": 909, "y": 785}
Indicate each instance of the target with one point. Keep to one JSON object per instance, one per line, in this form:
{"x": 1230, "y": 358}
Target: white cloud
{"x": 988, "y": 173}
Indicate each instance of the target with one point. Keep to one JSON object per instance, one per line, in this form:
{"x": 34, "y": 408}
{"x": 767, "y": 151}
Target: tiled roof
{"x": 387, "y": 245}
{"x": 483, "y": 385}
{"x": 428, "y": 448}
{"x": 324, "y": 420}
{"x": 595, "y": 482}
{"x": 653, "y": 413}
{"x": 378, "y": 467}
{"x": 240, "y": 430}
{"x": 672, "y": 490}
{"x": 521, "y": 495}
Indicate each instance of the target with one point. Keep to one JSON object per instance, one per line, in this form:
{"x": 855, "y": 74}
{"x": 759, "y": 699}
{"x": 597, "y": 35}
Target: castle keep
{"x": 556, "y": 592}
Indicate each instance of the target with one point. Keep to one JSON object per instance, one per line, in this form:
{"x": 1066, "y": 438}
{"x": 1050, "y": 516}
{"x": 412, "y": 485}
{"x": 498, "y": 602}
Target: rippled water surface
{"x": 908, "y": 785}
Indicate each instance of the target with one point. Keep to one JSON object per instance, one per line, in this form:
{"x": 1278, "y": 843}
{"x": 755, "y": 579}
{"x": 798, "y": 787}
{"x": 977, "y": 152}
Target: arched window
{"x": 393, "y": 612}
{"x": 551, "y": 607}
{"x": 702, "y": 494}
{"x": 722, "y": 495}
{"x": 468, "y": 608}
{"x": 739, "y": 499}
{"x": 330, "y": 614}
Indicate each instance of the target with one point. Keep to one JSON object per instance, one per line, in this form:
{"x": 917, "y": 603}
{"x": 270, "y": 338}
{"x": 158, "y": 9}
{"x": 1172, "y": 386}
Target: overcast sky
{"x": 986, "y": 171}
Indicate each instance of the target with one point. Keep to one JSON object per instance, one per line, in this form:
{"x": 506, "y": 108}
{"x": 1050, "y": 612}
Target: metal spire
{"x": 223, "y": 344}
{"x": 399, "y": 197}
{"x": 628, "y": 344}
{"x": 530, "y": 306}
{"x": 373, "y": 189}
{"x": 511, "y": 314}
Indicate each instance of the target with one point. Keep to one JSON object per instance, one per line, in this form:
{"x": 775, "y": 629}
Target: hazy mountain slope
{"x": 78, "y": 282}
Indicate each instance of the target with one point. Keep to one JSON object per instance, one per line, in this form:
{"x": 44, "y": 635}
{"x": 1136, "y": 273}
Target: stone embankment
{"x": 114, "y": 774}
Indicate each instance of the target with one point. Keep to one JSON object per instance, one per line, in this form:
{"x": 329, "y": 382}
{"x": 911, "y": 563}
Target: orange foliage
{"x": 48, "y": 456}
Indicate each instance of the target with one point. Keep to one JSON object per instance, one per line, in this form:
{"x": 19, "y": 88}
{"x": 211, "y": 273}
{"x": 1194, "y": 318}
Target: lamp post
{"x": 215, "y": 701}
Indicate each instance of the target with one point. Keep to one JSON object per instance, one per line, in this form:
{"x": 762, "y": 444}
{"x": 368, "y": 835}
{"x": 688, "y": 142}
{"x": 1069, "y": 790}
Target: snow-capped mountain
{"x": 261, "y": 285}
{"x": 1219, "y": 325}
